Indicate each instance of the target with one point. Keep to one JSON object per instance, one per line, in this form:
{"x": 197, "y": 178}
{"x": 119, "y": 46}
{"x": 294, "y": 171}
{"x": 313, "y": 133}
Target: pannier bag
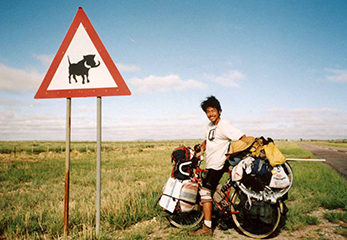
{"x": 182, "y": 192}
{"x": 262, "y": 211}
{"x": 187, "y": 198}
{"x": 181, "y": 155}
{"x": 170, "y": 195}
{"x": 220, "y": 198}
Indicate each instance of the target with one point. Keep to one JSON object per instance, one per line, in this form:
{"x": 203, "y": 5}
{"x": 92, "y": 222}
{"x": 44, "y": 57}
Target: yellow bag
{"x": 273, "y": 154}
{"x": 257, "y": 147}
{"x": 263, "y": 147}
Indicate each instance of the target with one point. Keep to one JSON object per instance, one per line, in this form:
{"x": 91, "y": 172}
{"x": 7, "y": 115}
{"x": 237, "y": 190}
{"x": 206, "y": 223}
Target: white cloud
{"x": 17, "y": 79}
{"x": 9, "y": 102}
{"x": 179, "y": 118}
{"x": 15, "y": 126}
{"x": 230, "y": 79}
{"x": 321, "y": 123}
{"x": 85, "y": 108}
{"x": 158, "y": 83}
{"x": 160, "y": 119}
{"x": 339, "y": 75}
{"x": 46, "y": 60}
{"x": 127, "y": 68}
{"x": 282, "y": 123}
{"x": 14, "y": 79}
{"x": 146, "y": 130}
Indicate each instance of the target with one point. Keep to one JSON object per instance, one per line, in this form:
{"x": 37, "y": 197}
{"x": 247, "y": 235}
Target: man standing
{"x": 216, "y": 144}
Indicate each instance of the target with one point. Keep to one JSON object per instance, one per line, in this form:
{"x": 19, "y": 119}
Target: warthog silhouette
{"x": 82, "y": 67}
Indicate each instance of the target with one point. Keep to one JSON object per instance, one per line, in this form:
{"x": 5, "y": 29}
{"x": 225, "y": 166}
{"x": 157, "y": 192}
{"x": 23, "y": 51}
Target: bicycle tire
{"x": 186, "y": 219}
{"x": 255, "y": 228}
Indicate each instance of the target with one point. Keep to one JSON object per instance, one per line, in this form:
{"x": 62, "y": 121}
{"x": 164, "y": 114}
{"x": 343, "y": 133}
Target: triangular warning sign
{"x": 82, "y": 66}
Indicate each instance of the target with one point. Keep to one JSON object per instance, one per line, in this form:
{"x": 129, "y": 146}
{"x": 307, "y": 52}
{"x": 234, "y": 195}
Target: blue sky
{"x": 279, "y": 68}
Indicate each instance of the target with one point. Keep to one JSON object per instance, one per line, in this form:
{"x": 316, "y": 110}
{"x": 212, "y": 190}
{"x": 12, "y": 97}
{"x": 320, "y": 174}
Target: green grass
{"x": 334, "y": 143}
{"x": 315, "y": 185}
{"x": 37, "y": 147}
{"x": 342, "y": 230}
{"x": 133, "y": 175}
{"x": 32, "y": 189}
{"x": 291, "y": 150}
{"x": 336, "y": 217}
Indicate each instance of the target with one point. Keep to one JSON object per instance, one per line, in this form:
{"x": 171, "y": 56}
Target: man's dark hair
{"x": 211, "y": 101}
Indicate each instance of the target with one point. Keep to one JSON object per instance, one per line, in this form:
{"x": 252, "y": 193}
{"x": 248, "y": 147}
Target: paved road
{"x": 336, "y": 157}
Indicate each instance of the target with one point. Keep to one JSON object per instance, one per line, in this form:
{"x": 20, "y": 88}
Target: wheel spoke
{"x": 186, "y": 219}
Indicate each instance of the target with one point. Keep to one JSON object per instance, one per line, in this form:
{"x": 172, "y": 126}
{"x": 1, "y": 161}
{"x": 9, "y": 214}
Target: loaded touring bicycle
{"x": 252, "y": 198}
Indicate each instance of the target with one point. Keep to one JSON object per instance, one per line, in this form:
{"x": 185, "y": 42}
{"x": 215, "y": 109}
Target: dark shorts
{"x": 213, "y": 176}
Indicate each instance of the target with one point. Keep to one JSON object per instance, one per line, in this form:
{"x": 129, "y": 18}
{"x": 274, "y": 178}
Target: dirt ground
{"x": 324, "y": 230}
{"x": 336, "y": 157}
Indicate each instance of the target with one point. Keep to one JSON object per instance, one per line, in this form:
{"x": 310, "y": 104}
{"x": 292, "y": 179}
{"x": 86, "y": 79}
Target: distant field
{"x": 334, "y": 143}
{"x": 37, "y": 147}
{"x": 133, "y": 174}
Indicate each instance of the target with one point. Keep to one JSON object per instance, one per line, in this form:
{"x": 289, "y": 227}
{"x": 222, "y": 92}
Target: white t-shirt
{"x": 218, "y": 141}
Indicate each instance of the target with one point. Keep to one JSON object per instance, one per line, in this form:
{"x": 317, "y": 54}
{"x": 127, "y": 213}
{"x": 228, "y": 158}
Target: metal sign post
{"x": 67, "y": 167}
{"x": 98, "y": 166}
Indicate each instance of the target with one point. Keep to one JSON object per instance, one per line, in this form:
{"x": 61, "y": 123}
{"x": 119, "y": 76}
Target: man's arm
{"x": 243, "y": 136}
{"x": 203, "y": 145}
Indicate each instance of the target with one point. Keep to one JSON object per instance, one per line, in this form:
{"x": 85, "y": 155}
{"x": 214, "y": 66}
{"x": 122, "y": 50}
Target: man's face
{"x": 213, "y": 114}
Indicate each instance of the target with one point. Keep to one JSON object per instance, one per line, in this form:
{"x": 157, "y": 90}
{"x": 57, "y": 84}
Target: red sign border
{"x": 121, "y": 89}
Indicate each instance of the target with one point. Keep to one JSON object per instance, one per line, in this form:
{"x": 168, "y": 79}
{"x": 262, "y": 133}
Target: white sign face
{"x": 81, "y": 66}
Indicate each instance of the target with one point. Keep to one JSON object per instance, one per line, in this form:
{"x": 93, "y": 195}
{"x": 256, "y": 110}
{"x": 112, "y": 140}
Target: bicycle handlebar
{"x": 184, "y": 164}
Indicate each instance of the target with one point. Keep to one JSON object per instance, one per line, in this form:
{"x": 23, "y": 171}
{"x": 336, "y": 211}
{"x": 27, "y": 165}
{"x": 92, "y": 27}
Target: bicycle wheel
{"x": 254, "y": 228}
{"x": 186, "y": 219}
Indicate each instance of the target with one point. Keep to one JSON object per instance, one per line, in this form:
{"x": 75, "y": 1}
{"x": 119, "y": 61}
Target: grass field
{"x": 336, "y": 143}
{"x": 133, "y": 174}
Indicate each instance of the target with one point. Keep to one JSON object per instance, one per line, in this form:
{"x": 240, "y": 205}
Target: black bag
{"x": 262, "y": 211}
{"x": 261, "y": 169}
{"x": 181, "y": 155}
